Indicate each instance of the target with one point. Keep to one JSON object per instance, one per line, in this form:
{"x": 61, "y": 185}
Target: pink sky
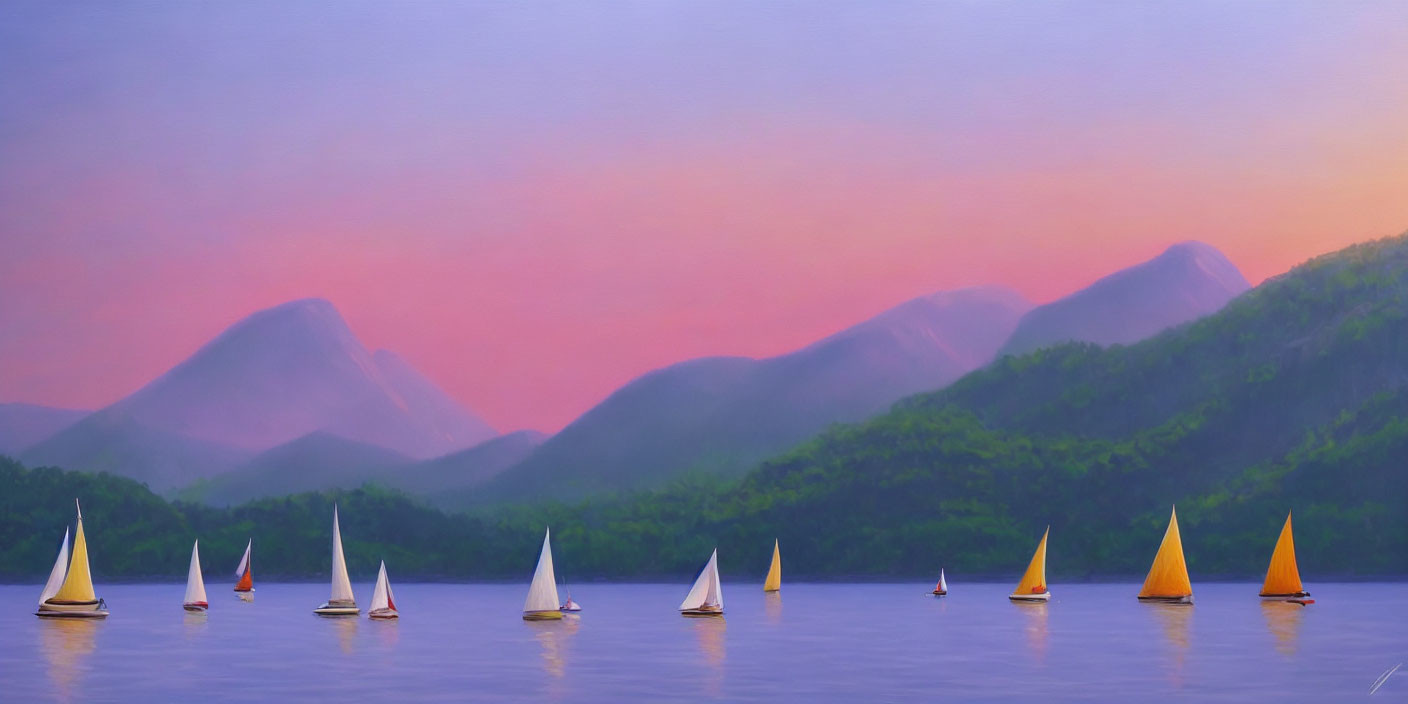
{"x": 536, "y": 214}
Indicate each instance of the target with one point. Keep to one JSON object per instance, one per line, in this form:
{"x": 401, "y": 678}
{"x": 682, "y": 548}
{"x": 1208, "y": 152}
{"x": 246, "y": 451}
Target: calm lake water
{"x": 870, "y": 642}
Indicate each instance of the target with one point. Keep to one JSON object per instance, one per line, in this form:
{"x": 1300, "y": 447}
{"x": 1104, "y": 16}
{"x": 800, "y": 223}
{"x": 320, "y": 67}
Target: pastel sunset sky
{"x": 534, "y": 203}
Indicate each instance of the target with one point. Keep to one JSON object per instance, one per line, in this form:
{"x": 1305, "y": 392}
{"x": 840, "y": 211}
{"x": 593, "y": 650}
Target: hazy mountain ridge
{"x": 22, "y": 425}
{"x": 1187, "y": 281}
{"x": 275, "y": 376}
{"x": 720, "y": 414}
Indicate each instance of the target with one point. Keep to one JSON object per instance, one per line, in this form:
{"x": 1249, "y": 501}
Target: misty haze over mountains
{"x": 275, "y": 376}
{"x": 289, "y": 400}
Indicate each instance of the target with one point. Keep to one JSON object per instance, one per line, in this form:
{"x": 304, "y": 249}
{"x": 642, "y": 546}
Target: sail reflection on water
{"x": 66, "y": 645}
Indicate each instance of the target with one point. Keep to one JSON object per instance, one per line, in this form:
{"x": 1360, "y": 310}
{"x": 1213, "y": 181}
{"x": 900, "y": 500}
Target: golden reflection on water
{"x": 1283, "y": 619}
{"x": 346, "y": 629}
{"x": 710, "y": 631}
{"x": 772, "y": 607}
{"x": 66, "y": 645}
{"x": 1035, "y": 625}
{"x": 552, "y": 636}
{"x": 1176, "y": 621}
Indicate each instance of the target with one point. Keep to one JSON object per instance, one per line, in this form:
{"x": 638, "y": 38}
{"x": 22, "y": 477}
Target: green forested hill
{"x": 1293, "y": 398}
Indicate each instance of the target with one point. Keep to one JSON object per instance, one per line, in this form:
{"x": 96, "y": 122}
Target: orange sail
{"x": 1168, "y": 577}
{"x": 1034, "y": 581}
{"x": 774, "y": 579}
{"x": 245, "y": 571}
{"x": 1282, "y": 577}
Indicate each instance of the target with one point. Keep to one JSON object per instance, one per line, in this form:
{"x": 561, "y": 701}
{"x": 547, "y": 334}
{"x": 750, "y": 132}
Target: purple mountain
{"x": 722, "y": 414}
{"x": 277, "y": 375}
{"x": 1188, "y": 281}
{"x": 24, "y": 424}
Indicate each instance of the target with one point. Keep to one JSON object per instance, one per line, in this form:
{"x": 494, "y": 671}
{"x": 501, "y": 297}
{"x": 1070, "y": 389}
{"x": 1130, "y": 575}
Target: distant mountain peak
{"x": 274, "y": 376}
{"x": 1186, "y": 281}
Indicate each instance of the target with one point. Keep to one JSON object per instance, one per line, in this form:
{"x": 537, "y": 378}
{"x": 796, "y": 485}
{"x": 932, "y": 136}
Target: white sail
{"x": 195, "y": 582}
{"x": 707, "y": 590}
{"x": 56, "y": 576}
{"x": 943, "y": 585}
{"x": 341, "y": 585}
{"x": 542, "y": 593}
{"x": 381, "y": 595}
{"x": 244, "y": 561}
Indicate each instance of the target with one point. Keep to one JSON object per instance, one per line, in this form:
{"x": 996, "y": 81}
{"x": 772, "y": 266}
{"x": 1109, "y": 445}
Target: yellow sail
{"x": 78, "y": 585}
{"x": 774, "y": 581}
{"x": 1282, "y": 577}
{"x": 1168, "y": 577}
{"x": 1034, "y": 581}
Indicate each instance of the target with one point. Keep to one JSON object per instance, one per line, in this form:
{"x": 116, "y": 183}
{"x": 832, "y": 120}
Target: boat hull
{"x": 1185, "y": 600}
{"x": 939, "y": 593}
{"x": 383, "y": 614}
{"x": 1285, "y": 597}
{"x": 701, "y": 612}
{"x": 245, "y": 596}
{"x": 73, "y": 609}
{"x": 337, "y": 609}
{"x": 542, "y": 615}
{"x": 1035, "y": 598}
{"x": 196, "y": 606}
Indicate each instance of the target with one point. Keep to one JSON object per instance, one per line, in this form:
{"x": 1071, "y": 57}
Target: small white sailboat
{"x": 706, "y": 597}
{"x": 941, "y": 589}
{"x": 195, "y": 584}
{"x": 74, "y": 597}
{"x": 244, "y": 588}
{"x": 570, "y": 606}
{"x": 383, "y": 601}
{"x": 542, "y": 603}
{"x": 341, "y": 603}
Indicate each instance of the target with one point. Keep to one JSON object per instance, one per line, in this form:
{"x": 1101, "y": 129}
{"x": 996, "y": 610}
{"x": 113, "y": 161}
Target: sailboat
{"x": 341, "y": 603}
{"x": 74, "y": 597}
{"x": 941, "y": 589}
{"x": 383, "y": 601}
{"x": 1033, "y": 584}
{"x": 774, "y": 581}
{"x": 244, "y": 588}
{"x": 195, "y": 583}
{"x": 1168, "y": 577}
{"x": 542, "y": 603}
{"x": 1283, "y": 577}
{"x": 706, "y": 597}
